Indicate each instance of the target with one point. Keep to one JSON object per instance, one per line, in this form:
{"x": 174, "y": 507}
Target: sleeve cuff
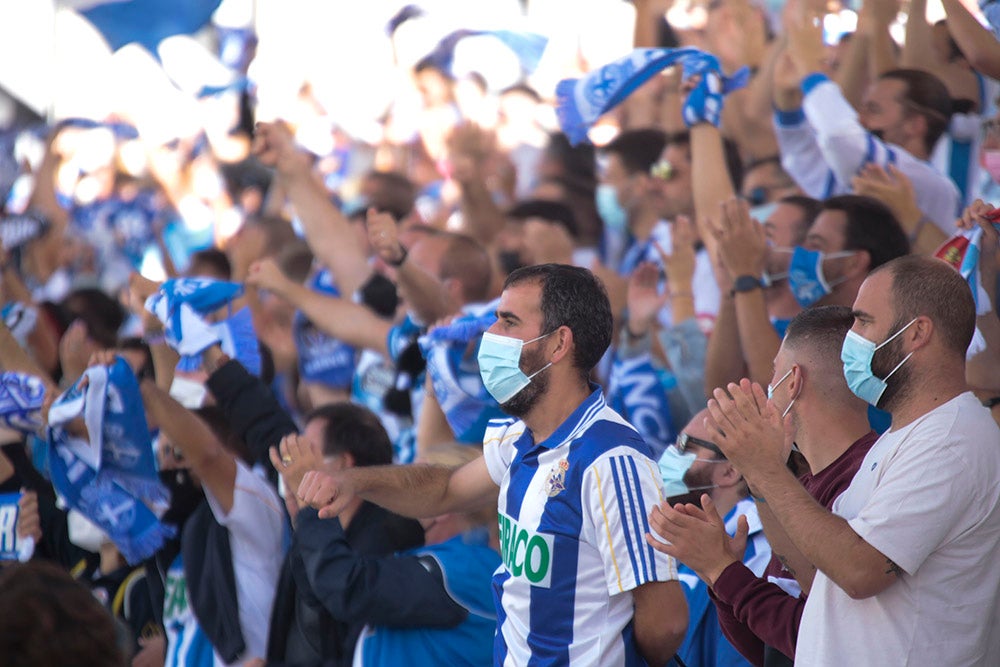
{"x": 733, "y": 579}
{"x": 789, "y": 118}
{"x": 813, "y": 80}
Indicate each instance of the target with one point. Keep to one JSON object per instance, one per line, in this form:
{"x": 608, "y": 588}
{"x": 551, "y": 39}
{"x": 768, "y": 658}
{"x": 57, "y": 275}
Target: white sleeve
{"x": 846, "y": 146}
{"x": 256, "y": 518}
{"x": 618, "y": 493}
{"x": 498, "y": 446}
{"x": 801, "y": 157}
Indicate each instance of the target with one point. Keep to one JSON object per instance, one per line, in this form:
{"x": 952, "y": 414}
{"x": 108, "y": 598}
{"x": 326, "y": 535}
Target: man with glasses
{"x": 760, "y": 616}
{"x": 693, "y": 466}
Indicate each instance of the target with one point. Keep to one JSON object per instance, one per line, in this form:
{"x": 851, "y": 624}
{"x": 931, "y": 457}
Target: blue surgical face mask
{"x": 614, "y": 216}
{"x": 674, "y": 466}
{"x": 762, "y": 212}
{"x": 806, "y": 278}
{"x": 500, "y": 365}
{"x": 771, "y": 388}
{"x": 857, "y": 353}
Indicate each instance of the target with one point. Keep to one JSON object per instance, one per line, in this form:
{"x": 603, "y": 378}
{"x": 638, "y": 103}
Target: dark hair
{"x": 355, "y": 430}
{"x": 102, "y": 315}
{"x": 927, "y": 286}
{"x": 466, "y": 260}
{"x": 216, "y": 261}
{"x": 822, "y": 328}
{"x": 393, "y": 193}
{"x": 637, "y": 150}
{"x": 296, "y": 260}
{"x": 730, "y": 152}
{"x": 552, "y": 212}
{"x": 572, "y": 297}
{"x": 215, "y": 419}
{"x": 810, "y": 209}
{"x": 522, "y": 89}
{"x": 49, "y": 618}
{"x": 431, "y": 62}
{"x": 926, "y": 96}
{"x": 380, "y": 295}
{"x": 577, "y": 162}
{"x": 871, "y": 226}
{"x": 136, "y": 344}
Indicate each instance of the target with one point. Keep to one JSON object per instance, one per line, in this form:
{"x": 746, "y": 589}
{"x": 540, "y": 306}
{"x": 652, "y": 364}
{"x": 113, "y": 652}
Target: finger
{"x": 711, "y": 512}
{"x": 743, "y": 398}
{"x": 742, "y": 533}
{"x": 713, "y": 422}
{"x": 275, "y": 458}
{"x": 661, "y": 546}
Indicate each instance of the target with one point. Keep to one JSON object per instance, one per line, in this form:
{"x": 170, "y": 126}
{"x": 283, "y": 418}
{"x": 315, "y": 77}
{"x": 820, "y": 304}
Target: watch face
{"x": 745, "y": 283}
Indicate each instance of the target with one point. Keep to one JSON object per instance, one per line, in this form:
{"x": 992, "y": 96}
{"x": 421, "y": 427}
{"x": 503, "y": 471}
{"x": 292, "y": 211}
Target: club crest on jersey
{"x": 555, "y": 483}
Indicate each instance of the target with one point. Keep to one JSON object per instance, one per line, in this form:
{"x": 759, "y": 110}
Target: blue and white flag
{"x": 110, "y": 478}
{"x": 451, "y": 352}
{"x": 181, "y": 306}
{"x": 21, "y": 399}
{"x": 20, "y": 319}
{"x": 580, "y": 102}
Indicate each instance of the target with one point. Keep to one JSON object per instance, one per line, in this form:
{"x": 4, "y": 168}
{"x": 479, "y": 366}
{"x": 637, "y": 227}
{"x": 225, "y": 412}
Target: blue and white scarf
{"x": 451, "y": 353}
{"x": 110, "y": 479}
{"x": 580, "y": 102}
{"x": 182, "y": 304}
{"x": 21, "y": 320}
{"x": 21, "y": 399}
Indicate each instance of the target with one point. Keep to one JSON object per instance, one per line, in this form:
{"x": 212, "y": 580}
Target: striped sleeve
{"x": 498, "y": 446}
{"x": 619, "y": 491}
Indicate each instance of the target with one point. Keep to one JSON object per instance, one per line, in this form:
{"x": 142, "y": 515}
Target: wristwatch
{"x": 745, "y": 283}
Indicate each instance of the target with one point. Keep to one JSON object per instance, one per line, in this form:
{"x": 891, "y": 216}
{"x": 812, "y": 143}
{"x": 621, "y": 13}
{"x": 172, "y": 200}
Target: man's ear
{"x": 564, "y": 344}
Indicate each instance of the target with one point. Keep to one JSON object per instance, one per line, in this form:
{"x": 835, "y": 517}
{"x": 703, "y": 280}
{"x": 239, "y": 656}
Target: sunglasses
{"x": 663, "y": 170}
{"x": 684, "y": 441}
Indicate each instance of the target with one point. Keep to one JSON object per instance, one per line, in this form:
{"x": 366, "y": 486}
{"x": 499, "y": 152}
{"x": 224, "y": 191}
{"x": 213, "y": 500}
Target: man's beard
{"x": 523, "y": 401}
{"x": 898, "y": 386}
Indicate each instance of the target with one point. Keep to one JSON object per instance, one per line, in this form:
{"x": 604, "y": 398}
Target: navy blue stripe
{"x": 637, "y": 522}
{"x": 621, "y": 513}
{"x": 870, "y": 153}
{"x": 961, "y": 154}
{"x": 499, "y": 643}
{"x": 892, "y": 155}
{"x": 644, "y": 513}
{"x": 831, "y": 182}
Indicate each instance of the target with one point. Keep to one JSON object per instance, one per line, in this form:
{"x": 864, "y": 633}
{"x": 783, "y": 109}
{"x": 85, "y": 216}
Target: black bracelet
{"x": 402, "y": 258}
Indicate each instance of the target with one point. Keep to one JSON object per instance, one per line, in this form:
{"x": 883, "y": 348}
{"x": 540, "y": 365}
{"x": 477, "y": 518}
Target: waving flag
{"x": 580, "y": 102}
{"x": 21, "y": 398}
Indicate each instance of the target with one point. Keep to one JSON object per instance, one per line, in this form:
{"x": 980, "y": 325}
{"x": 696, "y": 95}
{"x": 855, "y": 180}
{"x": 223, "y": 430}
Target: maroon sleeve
{"x": 739, "y": 635}
{"x": 762, "y": 608}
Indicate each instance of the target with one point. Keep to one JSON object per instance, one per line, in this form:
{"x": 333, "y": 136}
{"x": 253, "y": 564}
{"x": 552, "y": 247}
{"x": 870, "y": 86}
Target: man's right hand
{"x": 274, "y": 145}
{"x": 327, "y": 492}
{"x": 265, "y": 274}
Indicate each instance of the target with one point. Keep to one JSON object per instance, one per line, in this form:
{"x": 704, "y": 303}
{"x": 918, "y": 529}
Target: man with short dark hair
{"x": 907, "y": 559}
{"x": 578, "y": 584}
{"x": 824, "y": 142}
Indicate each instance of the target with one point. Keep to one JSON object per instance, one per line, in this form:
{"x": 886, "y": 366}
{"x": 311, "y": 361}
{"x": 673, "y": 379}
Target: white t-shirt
{"x": 928, "y": 497}
{"x": 256, "y": 536}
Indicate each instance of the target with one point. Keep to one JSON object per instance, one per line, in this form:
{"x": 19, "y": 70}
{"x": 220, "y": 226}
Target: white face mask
{"x": 187, "y": 392}
{"x": 84, "y": 533}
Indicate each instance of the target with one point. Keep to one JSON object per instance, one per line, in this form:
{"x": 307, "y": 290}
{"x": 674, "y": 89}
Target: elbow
{"x": 662, "y": 643}
{"x": 863, "y": 585}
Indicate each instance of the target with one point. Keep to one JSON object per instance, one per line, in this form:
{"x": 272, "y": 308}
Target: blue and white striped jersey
{"x": 573, "y": 514}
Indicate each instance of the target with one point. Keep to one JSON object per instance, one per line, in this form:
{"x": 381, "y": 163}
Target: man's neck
{"x": 932, "y": 393}
{"x": 824, "y": 435}
{"x": 554, "y": 408}
{"x": 641, "y": 224}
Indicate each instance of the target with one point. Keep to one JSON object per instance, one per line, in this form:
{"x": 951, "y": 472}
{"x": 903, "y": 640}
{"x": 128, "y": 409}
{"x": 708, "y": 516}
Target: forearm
{"x": 164, "y": 363}
{"x": 709, "y": 178}
{"x": 417, "y": 491}
{"x": 328, "y": 233}
{"x": 824, "y": 539}
{"x": 852, "y": 76}
{"x": 978, "y": 44}
{"x": 882, "y": 52}
{"x": 759, "y": 341}
{"x": 13, "y": 287}
{"x": 249, "y": 406}
{"x": 344, "y": 320}
{"x": 982, "y": 371}
{"x": 917, "y": 52}
{"x": 482, "y": 219}
{"x": 685, "y": 347}
{"x": 424, "y": 293}
{"x": 723, "y": 360}
{"x": 785, "y": 550}
{"x": 763, "y": 608}
{"x": 14, "y": 358}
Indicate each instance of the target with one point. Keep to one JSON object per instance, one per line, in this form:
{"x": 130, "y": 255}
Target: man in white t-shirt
{"x": 907, "y": 567}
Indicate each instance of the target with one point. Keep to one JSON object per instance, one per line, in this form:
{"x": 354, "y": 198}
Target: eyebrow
{"x": 860, "y": 315}
{"x": 507, "y": 315}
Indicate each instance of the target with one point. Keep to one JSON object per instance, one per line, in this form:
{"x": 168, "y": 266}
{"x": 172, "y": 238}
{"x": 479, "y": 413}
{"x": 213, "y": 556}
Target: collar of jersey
{"x": 577, "y": 421}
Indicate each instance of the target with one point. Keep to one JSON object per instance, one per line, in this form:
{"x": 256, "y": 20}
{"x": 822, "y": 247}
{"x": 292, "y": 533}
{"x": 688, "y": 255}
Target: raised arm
{"x": 327, "y": 231}
{"x": 345, "y": 320}
{"x": 978, "y": 44}
{"x": 208, "y": 458}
